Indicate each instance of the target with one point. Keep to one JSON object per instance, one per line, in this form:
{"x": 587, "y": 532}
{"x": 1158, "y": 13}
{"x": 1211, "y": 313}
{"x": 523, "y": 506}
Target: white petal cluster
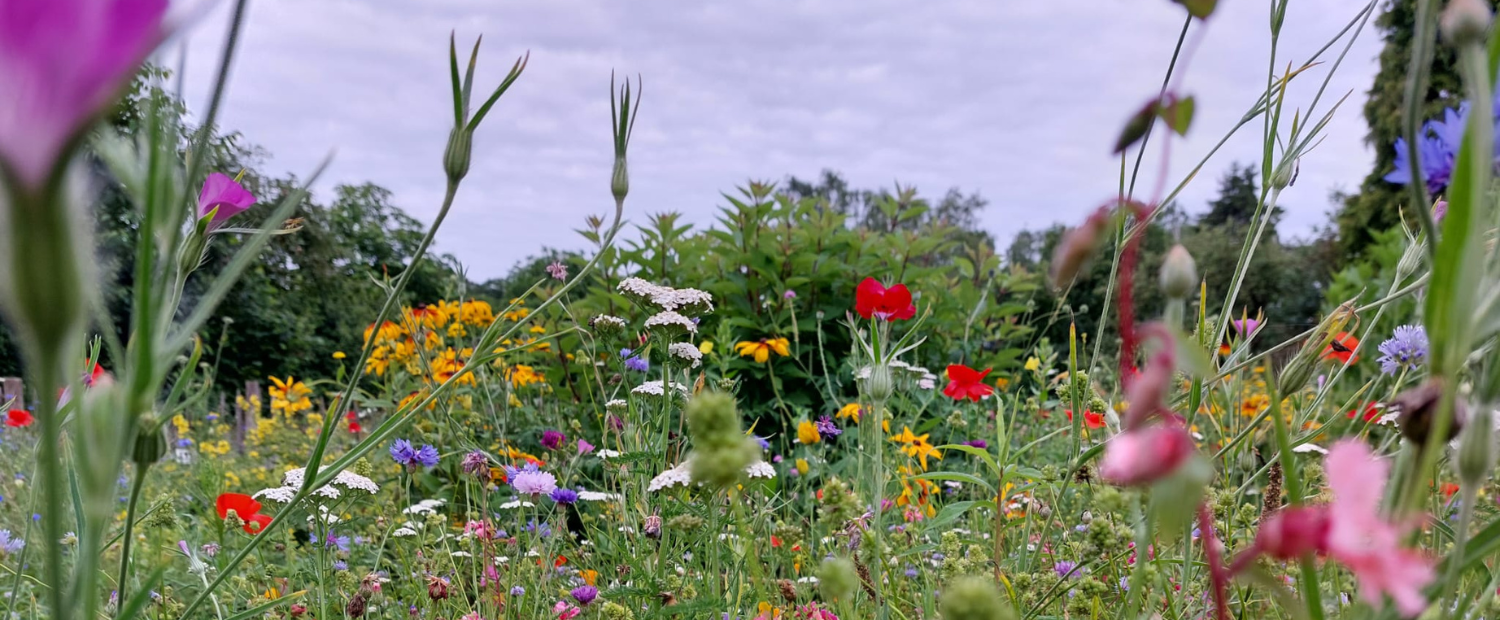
{"x": 666, "y": 297}
{"x": 281, "y": 495}
{"x": 685, "y": 351}
{"x": 608, "y": 322}
{"x": 516, "y": 503}
{"x": 618, "y": 404}
{"x": 654, "y": 388}
{"x": 424, "y": 507}
{"x": 597, "y": 496}
{"x": 670, "y": 320}
{"x": 606, "y": 454}
{"x": 679, "y": 475}
{"x": 760, "y": 469}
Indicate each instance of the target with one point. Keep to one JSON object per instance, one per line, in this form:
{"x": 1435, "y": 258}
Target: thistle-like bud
{"x": 619, "y": 179}
{"x": 150, "y": 443}
{"x": 1465, "y": 21}
{"x": 1476, "y": 450}
{"x": 974, "y": 598}
{"x": 652, "y": 527}
{"x": 837, "y": 579}
{"x": 880, "y": 385}
{"x": 456, "y": 157}
{"x": 1179, "y": 274}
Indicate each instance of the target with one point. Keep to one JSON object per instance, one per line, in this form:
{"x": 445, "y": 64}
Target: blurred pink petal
{"x": 1145, "y": 455}
{"x": 221, "y": 191}
{"x": 62, "y": 62}
{"x": 1363, "y": 540}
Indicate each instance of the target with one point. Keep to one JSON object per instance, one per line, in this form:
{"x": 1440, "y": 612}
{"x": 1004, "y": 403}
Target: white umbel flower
{"x": 671, "y": 321}
{"x": 618, "y": 404}
{"x": 760, "y": 469}
{"x": 680, "y": 475}
{"x": 654, "y": 388}
{"x": 685, "y": 351}
{"x": 597, "y": 496}
{"x": 280, "y": 495}
{"x": 607, "y": 454}
{"x": 424, "y": 507}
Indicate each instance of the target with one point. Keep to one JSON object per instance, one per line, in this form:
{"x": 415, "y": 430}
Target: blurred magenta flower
{"x": 1145, "y": 455}
{"x": 61, "y": 63}
{"x": 222, "y": 192}
{"x": 1245, "y": 326}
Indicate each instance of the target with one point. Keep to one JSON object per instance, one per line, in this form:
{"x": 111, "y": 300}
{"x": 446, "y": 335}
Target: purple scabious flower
{"x": 1405, "y": 350}
{"x": 827, "y": 428}
{"x": 977, "y": 443}
{"x": 403, "y": 453}
{"x": 637, "y": 363}
{"x": 427, "y": 456}
{"x": 564, "y": 495}
{"x": 585, "y": 594}
{"x": 552, "y": 440}
{"x": 531, "y": 481}
{"x": 340, "y": 565}
{"x": 557, "y": 270}
{"x": 1064, "y": 568}
{"x": 517, "y": 591}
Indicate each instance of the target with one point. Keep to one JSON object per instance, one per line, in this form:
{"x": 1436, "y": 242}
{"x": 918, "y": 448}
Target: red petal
{"x": 962, "y": 373}
{"x": 898, "y": 301}
{"x": 867, "y": 297}
{"x": 243, "y": 505}
{"x": 255, "y": 524}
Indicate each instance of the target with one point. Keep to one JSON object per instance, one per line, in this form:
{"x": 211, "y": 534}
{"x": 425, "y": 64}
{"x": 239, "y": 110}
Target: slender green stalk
{"x": 1411, "y": 116}
{"x": 50, "y": 463}
{"x": 122, "y": 584}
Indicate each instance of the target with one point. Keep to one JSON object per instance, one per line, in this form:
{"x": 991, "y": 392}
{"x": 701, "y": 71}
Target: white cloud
{"x": 1020, "y": 101}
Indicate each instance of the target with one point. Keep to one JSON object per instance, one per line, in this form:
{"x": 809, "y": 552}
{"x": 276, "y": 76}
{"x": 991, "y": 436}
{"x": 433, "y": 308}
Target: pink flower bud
{"x": 1077, "y": 247}
{"x": 1145, "y": 455}
{"x": 1292, "y": 533}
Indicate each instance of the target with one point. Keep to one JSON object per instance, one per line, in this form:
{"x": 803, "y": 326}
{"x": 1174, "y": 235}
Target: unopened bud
{"x": 1465, "y": 21}
{"x": 880, "y": 385}
{"x": 1145, "y": 455}
{"x": 1077, "y": 247}
{"x": 1179, "y": 274}
{"x": 837, "y": 579}
{"x": 1296, "y": 375}
{"x": 619, "y": 181}
{"x": 456, "y": 158}
{"x": 1476, "y": 450}
{"x": 974, "y": 598}
{"x": 1294, "y": 533}
{"x": 150, "y": 443}
{"x": 1285, "y": 175}
{"x": 1418, "y": 408}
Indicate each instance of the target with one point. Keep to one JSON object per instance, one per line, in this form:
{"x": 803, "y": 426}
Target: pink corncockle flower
{"x": 1294, "y": 532}
{"x": 1364, "y": 540}
{"x": 1245, "y": 327}
{"x": 222, "y": 192}
{"x": 61, "y": 63}
{"x": 1145, "y": 455}
{"x": 584, "y": 447}
{"x": 565, "y": 611}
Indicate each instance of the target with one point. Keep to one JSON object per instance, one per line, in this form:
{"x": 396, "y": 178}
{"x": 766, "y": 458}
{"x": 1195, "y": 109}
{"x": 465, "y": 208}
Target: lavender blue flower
{"x": 827, "y": 428}
{"x": 427, "y": 456}
{"x": 563, "y": 495}
{"x": 637, "y": 363}
{"x": 10, "y": 545}
{"x": 1405, "y": 350}
{"x": 402, "y": 452}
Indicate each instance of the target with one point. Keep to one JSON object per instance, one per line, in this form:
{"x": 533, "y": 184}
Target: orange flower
{"x": 1341, "y": 348}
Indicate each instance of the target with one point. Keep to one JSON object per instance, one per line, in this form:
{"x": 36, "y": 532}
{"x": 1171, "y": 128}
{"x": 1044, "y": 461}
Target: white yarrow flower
{"x": 654, "y": 388}
{"x": 685, "y": 351}
{"x": 760, "y": 469}
{"x": 280, "y": 495}
{"x": 670, "y": 320}
{"x": 679, "y": 475}
{"x": 424, "y": 507}
{"x": 597, "y": 496}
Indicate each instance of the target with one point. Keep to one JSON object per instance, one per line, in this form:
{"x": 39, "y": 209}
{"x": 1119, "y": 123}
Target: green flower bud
{"x": 837, "y": 579}
{"x": 974, "y": 598}
{"x": 619, "y": 180}
{"x": 1476, "y": 449}
{"x": 721, "y": 466}
{"x": 880, "y": 386}
{"x": 713, "y": 421}
{"x": 1179, "y": 274}
{"x": 1284, "y": 176}
{"x": 150, "y": 443}
{"x": 456, "y": 157}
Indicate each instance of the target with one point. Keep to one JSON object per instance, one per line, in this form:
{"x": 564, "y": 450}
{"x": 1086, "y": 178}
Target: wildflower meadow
{"x": 232, "y": 402}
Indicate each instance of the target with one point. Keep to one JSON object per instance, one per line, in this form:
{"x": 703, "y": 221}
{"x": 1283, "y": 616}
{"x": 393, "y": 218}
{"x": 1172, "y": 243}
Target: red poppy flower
{"x": 1449, "y": 489}
{"x": 1091, "y": 420}
{"x": 1341, "y": 348}
{"x": 17, "y": 418}
{"x": 354, "y": 426}
{"x": 246, "y": 508}
{"x": 1371, "y": 411}
{"x": 775, "y": 542}
{"x": 965, "y": 382}
{"x": 873, "y": 300}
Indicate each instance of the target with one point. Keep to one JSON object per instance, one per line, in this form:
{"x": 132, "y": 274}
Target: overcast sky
{"x": 1019, "y": 100}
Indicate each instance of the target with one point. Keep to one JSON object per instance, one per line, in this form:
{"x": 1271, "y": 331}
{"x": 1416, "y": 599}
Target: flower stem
{"x": 122, "y": 585}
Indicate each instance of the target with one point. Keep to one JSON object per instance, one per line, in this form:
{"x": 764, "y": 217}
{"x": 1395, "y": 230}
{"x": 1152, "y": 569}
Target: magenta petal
{"x": 61, "y": 62}
{"x": 231, "y": 198}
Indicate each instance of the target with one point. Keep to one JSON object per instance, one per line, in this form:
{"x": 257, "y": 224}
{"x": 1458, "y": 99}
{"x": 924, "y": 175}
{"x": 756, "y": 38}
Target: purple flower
{"x": 1064, "y": 568}
{"x": 1406, "y": 349}
{"x": 517, "y": 591}
{"x": 402, "y": 452}
{"x": 476, "y": 464}
{"x": 427, "y": 456}
{"x": 584, "y": 447}
{"x": 336, "y": 542}
{"x": 224, "y": 194}
{"x": 552, "y": 440}
{"x": 789, "y": 294}
{"x": 765, "y": 444}
{"x": 977, "y": 443}
{"x": 1245, "y": 327}
{"x": 557, "y": 270}
{"x": 637, "y": 363}
{"x": 61, "y": 63}
{"x": 585, "y": 594}
{"x": 827, "y": 428}
{"x": 563, "y": 495}
{"x": 531, "y": 481}
{"x": 340, "y": 565}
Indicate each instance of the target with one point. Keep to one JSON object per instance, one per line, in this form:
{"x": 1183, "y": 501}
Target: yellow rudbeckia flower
{"x": 807, "y": 433}
{"x": 761, "y": 349}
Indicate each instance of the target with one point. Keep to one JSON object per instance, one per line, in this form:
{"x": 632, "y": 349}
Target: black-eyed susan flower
{"x": 761, "y": 349}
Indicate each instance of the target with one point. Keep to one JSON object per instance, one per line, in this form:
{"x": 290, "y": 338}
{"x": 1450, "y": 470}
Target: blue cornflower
{"x": 564, "y": 496}
{"x": 543, "y": 530}
{"x": 403, "y": 452}
{"x": 1437, "y": 149}
{"x": 337, "y": 542}
{"x": 10, "y": 545}
{"x": 340, "y": 565}
{"x": 184, "y": 442}
{"x": 1406, "y": 349}
{"x": 637, "y": 363}
{"x": 427, "y": 456}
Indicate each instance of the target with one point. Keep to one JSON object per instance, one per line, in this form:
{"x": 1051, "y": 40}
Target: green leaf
{"x": 957, "y": 477}
{"x": 952, "y": 512}
{"x": 983, "y": 455}
{"x": 1178, "y": 113}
